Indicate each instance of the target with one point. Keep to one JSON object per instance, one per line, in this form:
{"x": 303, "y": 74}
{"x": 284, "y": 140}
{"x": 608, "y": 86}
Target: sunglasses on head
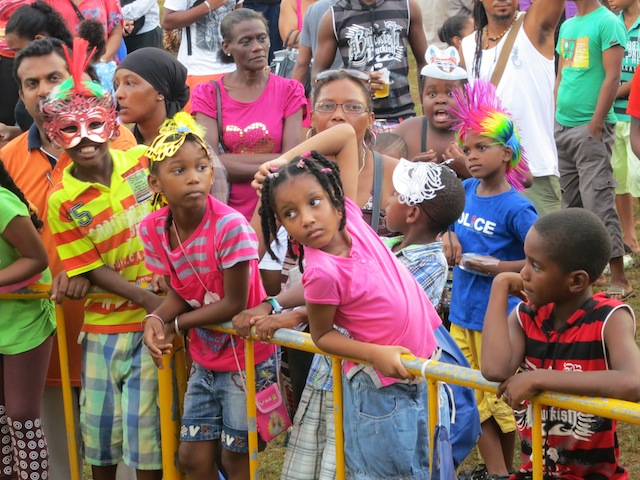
{"x": 356, "y": 74}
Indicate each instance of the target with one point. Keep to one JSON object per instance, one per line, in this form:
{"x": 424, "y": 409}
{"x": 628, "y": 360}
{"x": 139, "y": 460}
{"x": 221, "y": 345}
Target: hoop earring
{"x": 310, "y": 133}
{"x": 370, "y": 139}
{"x": 292, "y": 240}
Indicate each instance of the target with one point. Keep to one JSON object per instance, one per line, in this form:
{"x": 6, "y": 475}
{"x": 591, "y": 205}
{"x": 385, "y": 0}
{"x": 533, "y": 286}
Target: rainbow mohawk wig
{"x": 479, "y": 112}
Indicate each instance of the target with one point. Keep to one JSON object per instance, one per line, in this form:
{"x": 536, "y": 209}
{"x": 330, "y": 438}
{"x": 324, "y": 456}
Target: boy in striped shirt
{"x": 565, "y": 339}
{"x": 94, "y": 215}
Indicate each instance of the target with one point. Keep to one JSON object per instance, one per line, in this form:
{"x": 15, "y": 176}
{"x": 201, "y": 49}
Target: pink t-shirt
{"x": 222, "y": 240}
{"x": 251, "y": 127}
{"x": 378, "y": 299}
{"x": 107, "y": 12}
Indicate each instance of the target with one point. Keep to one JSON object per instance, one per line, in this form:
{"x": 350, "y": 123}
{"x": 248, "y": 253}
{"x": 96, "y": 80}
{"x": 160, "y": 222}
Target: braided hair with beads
{"x": 326, "y": 172}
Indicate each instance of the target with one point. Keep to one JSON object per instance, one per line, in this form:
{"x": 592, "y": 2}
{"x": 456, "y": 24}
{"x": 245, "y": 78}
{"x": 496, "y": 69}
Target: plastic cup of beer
{"x": 384, "y": 82}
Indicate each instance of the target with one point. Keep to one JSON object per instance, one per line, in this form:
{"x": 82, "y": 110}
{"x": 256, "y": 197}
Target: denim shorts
{"x": 215, "y": 406}
{"x": 385, "y": 430}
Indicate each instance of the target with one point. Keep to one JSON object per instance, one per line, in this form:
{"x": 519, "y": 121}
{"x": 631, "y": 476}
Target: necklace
{"x": 495, "y": 39}
{"x": 362, "y": 160}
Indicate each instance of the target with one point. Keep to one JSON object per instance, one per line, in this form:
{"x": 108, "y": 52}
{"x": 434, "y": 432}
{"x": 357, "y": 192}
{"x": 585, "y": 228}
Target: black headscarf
{"x": 163, "y": 72}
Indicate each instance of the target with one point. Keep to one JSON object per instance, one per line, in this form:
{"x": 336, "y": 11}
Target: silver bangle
{"x": 208, "y": 5}
{"x": 175, "y": 325}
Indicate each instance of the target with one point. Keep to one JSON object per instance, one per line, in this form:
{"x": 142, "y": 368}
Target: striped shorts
{"x": 119, "y": 416}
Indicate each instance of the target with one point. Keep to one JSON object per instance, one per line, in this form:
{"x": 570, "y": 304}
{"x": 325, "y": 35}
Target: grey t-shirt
{"x": 309, "y": 36}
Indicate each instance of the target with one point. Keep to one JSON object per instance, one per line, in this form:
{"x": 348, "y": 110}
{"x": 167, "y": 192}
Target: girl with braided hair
{"x": 210, "y": 253}
{"x": 313, "y": 199}
{"x": 26, "y": 341}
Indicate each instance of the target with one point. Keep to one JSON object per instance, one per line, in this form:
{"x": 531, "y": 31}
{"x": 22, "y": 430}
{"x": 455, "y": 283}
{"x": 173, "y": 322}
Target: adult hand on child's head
{"x": 74, "y": 288}
{"x": 518, "y": 388}
{"x": 158, "y": 338}
{"x": 387, "y": 360}
{"x": 512, "y": 282}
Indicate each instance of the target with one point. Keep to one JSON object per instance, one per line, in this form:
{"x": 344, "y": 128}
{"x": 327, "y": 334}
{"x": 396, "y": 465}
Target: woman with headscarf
{"x": 150, "y": 87}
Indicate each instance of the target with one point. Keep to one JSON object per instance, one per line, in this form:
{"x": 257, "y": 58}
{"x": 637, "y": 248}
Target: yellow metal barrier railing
{"x": 172, "y": 384}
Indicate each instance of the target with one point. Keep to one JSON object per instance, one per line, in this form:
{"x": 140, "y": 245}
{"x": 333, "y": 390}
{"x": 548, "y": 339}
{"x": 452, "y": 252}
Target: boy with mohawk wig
{"x": 490, "y": 233}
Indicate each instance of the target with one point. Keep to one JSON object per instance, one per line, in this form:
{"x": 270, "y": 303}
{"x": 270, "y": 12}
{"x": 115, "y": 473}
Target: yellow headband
{"x": 172, "y": 135}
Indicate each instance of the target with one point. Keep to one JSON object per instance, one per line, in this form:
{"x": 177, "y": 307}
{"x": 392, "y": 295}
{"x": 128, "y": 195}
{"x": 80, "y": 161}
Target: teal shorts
{"x": 119, "y": 415}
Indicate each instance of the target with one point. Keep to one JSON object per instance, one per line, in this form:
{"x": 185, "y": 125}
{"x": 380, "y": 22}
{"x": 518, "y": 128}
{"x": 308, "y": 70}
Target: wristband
{"x": 175, "y": 325}
{"x": 277, "y": 308}
{"x": 208, "y": 5}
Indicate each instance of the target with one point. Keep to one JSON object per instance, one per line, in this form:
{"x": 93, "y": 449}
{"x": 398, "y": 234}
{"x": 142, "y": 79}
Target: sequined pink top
{"x": 251, "y": 127}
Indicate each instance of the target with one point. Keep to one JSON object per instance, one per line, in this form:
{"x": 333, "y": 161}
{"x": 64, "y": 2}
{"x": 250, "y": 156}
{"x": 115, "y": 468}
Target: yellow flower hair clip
{"x": 172, "y": 135}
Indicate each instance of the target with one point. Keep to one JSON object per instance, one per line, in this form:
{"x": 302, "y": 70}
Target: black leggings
{"x": 22, "y": 442}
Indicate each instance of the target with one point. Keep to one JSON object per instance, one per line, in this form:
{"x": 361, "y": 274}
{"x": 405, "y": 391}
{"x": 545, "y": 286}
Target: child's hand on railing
{"x": 243, "y": 321}
{"x": 74, "y": 288}
{"x": 158, "y": 337}
{"x": 267, "y": 325}
{"x": 518, "y": 388}
{"x": 387, "y": 360}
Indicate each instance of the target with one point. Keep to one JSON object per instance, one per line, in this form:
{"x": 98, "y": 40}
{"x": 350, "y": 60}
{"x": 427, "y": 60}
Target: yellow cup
{"x": 384, "y": 82}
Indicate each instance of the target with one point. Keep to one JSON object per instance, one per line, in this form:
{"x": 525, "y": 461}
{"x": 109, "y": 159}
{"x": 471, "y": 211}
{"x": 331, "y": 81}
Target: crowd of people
{"x": 199, "y": 187}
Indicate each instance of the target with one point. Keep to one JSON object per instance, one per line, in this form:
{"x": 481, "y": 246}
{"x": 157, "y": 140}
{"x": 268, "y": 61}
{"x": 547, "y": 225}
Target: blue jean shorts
{"x": 215, "y": 406}
{"x": 385, "y": 430}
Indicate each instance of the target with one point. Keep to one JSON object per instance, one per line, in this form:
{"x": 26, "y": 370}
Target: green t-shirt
{"x": 581, "y": 42}
{"x": 630, "y": 62}
{"x": 24, "y": 324}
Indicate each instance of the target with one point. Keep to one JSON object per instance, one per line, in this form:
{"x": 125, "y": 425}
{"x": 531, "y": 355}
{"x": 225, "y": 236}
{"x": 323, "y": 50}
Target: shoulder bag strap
{"x": 216, "y": 87}
{"x": 77, "y": 10}
{"x": 377, "y": 190}
{"x": 287, "y": 38}
{"x": 506, "y": 51}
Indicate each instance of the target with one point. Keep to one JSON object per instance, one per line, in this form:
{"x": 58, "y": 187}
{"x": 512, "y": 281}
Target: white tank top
{"x": 526, "y": 91}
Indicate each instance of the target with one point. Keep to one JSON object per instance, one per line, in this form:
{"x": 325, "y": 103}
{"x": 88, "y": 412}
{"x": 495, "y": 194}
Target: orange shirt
{"x": 32, "y": 170}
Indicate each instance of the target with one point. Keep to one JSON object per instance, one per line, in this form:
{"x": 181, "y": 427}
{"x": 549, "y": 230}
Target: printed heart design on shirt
{"x": 254, "y": 138}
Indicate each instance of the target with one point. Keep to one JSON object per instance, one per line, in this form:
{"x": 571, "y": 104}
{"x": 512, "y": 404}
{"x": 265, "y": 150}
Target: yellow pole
{"x": 169, "y": 429}
{"x": 336, "y": 371}
{"x": 67, "y": 396}
{"x": 432, "y": 391}
{"x": 251, "y": 408}
{"x": 536, "y": 441}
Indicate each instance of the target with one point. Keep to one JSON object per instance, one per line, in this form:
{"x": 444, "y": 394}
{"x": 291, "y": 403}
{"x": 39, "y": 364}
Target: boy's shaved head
{"x": 576, "y": 239}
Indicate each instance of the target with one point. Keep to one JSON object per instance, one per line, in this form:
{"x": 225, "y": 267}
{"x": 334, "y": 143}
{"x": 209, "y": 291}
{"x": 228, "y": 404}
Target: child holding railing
{"x": 383, "y": 403}
{"x": 565, "y": 339}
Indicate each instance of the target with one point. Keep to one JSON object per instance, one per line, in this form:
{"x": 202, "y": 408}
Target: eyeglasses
{"x": 348, "y": 108}
{"x": 357, "y": 74}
